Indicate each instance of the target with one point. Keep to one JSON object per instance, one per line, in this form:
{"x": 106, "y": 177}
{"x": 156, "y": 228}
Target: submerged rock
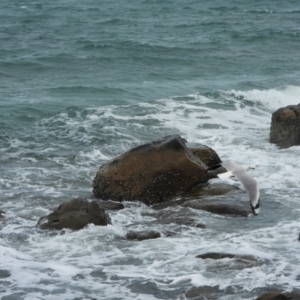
{"x": 184, "y": 217}
{"x": 218, "y": 255}
{"x": 169, "y": 222}
{"x": 279, "y": 296}
{"x": 203, "y": 191}
{"x": 207, "y": 293}
{"x": 2, "y": 213}
{"x": 217, "y": 207}
{"x": 142, "y": 235}
{"x": 211, "y": 189}
{"x": 285, "y": 126}
{"x": 75, "y": 214}
{"x": 153, "y": 173}
{"x": 219, "y": 260}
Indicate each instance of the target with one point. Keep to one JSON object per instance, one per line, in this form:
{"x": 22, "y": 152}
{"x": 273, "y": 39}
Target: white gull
{"x": 250, "y": 184}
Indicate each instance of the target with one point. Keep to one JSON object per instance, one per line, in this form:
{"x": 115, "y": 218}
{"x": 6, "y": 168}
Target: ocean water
{"x": 83, "y": 81}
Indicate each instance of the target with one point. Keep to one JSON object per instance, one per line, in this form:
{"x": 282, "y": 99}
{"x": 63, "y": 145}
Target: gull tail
{"x": 225, "y": 175}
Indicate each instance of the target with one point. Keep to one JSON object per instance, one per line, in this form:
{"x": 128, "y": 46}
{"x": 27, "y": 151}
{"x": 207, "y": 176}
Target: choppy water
{"x": 84, "y": 81}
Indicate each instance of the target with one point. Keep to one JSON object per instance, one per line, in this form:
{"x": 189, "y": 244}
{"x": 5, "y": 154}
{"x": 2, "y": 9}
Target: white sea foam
{"x": 272, "y": 99}
{"x": 236, "y": 125}
{"x": 94, "y": 155}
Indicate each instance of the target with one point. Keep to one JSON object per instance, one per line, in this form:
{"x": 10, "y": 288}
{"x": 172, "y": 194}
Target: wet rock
{"x": 208, "y": 293}
{"x": 285, "y": 126}
{"x": 189, "y": 222}
{"x": 217, "y": 207}
{"x": 152, "y": 173}
{"x": 200, "y": 192}
{"x": 2, "y": 213}
{"x": 207, "y": 155}
{"x": 75, "y": 214}
{"x": 230, "y": 261}
{"x": 170, "y": 221}
{"x": 217, "y": 255}
{"x": 210, "y": 157}
{"x": 279, "y": 296}
{"x": 211, "y": 189}
{"x": 201, "y": 225}
{"x": 142, "y": 235}
{"x": 181, "y": 218}
{"x": 213, "y": 173}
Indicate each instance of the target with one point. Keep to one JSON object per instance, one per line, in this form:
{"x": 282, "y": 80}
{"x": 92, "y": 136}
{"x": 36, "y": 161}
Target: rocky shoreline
{"x": 160, "y": 174}
{"x": 165, "y": 173}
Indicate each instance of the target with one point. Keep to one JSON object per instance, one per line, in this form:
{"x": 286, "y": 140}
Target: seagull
{"x": 250, "y": 184}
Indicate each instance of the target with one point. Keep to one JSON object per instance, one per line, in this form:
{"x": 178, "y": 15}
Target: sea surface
{"x": 84, "y": 81}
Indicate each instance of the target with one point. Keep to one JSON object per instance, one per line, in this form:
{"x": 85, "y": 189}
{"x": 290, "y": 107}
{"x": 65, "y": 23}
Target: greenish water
{"x": 83, "y": 81}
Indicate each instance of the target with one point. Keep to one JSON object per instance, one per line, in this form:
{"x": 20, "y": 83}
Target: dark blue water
{"x": 84, "y": 81}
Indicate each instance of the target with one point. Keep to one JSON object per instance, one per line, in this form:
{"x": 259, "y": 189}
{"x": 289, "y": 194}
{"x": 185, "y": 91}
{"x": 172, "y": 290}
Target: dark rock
{"x": 199, "y": 192}
{"x": 232, "y": 261}
{"x": 211, "y": 189}
{"x": 182, "y": 218}
{"x": 210, "y": 157}
{"x": 175, "y": 219}
{"x": 204, "y": 293}
{"x": 217, "y": 207}
{"x": 217, "y": 255}
{"x": 200, "y": 225}
{"x": 207, "y": 155}
{"x": 279, "y": 296}
{"x": 2, "y": 213}
{"x": 285, "y": 126}
{"x": 75, "y": 214}
{"x": 152, "y": 173}
{"x": 142, "y": 235}
{"x": 213, "y": 173}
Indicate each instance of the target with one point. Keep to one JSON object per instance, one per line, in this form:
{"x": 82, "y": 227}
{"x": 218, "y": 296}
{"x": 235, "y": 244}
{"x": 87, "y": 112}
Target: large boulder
{"x": 75, "y": 215}
{"x": 152, "y": 173}
{"x": 279, "y": 296}
{"x": 207, "y": 155}
{"x": 285, "y": 126}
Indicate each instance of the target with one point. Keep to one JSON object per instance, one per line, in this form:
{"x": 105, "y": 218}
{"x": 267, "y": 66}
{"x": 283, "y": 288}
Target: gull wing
{"x": 252, "y": 189}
